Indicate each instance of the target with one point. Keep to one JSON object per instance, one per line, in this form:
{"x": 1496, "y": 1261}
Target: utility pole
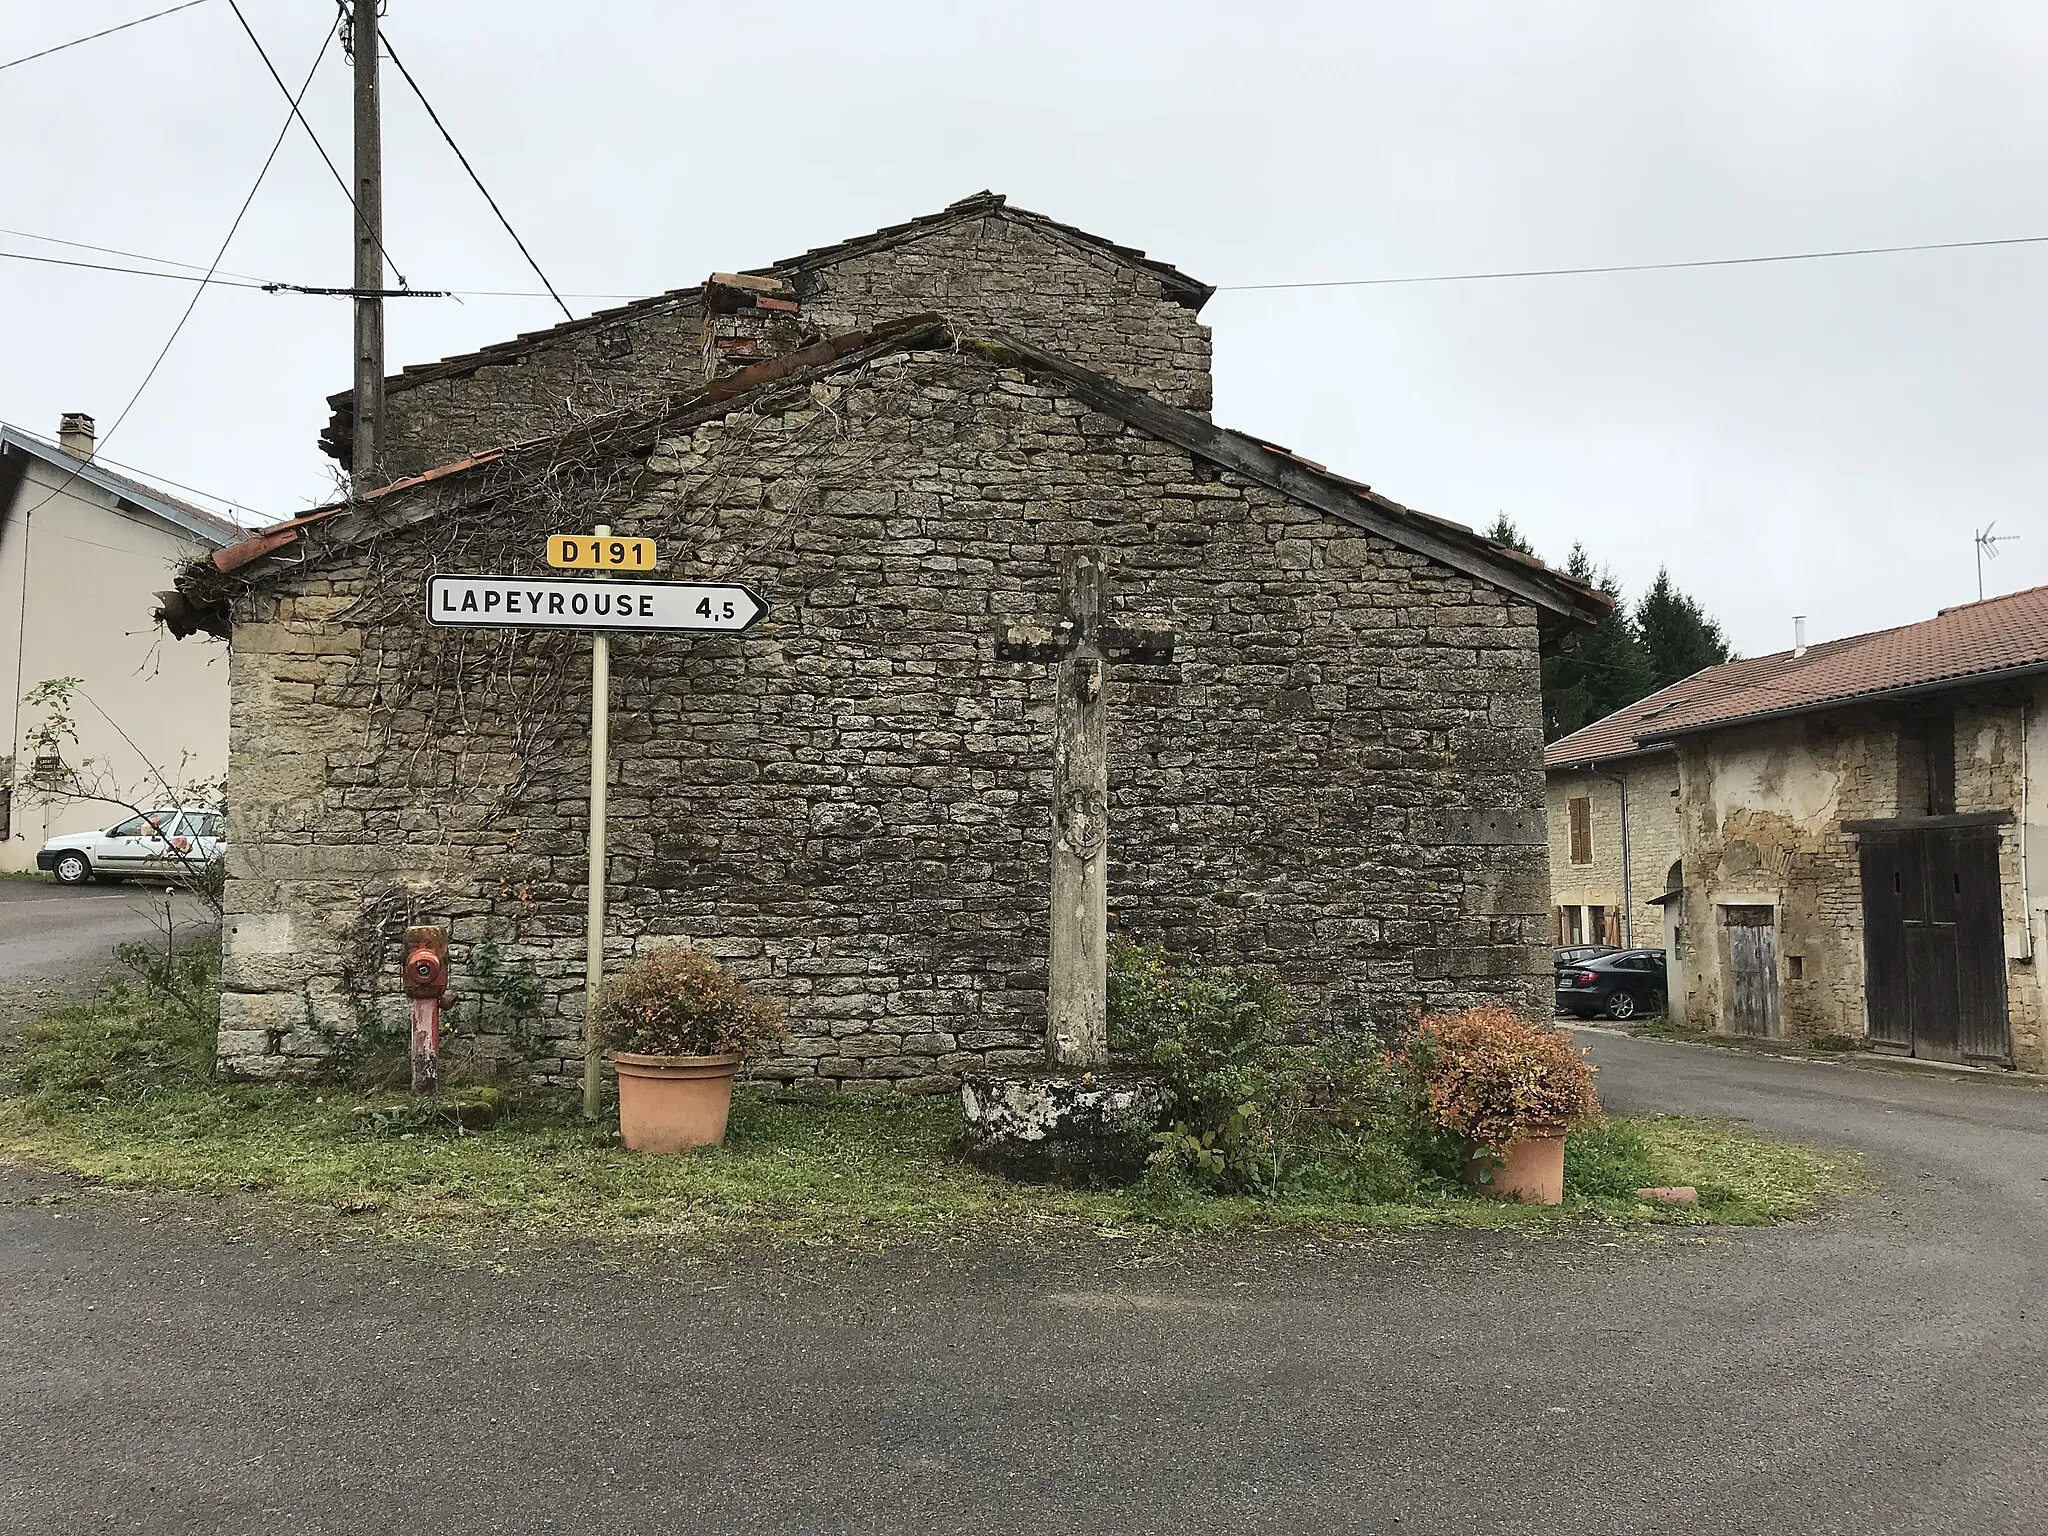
{"x": 368, "y": 454}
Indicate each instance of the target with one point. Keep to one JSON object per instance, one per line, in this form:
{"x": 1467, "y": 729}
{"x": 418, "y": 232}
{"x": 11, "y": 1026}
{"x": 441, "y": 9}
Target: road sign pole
{"x": 524, "y": 602}
{"x": 600, "y": 753}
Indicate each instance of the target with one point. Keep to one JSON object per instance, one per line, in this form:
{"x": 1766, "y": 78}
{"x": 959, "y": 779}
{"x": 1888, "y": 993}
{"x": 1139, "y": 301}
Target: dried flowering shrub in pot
{"x": 678, "y": 1001}
{"x": 1491, "y": 1075}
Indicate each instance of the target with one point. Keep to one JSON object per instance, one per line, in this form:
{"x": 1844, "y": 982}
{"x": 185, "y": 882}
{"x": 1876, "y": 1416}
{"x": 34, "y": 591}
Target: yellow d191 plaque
{"x": 590, "y": 552}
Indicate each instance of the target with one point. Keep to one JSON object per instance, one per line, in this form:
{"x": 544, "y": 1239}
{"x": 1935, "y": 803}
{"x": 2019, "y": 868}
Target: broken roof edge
{"x": 1191, "y": 293}
{"x": 1576, "y": 605}
{"x": 719, "y": 397}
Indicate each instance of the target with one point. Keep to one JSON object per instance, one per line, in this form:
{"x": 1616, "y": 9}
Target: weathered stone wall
{"x": 989, "y": 274}
{"x": 1763, "y": 808}
{"x": 584, "y": 372}
{"x": 1652, "y": 839}
{"x": 1338, "y": 776}
{"x": 995, "y": 275}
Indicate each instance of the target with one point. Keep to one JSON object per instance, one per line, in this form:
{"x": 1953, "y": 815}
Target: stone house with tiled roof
{"x": 1338, "y": 775}
{"x": 1843, "y": 840}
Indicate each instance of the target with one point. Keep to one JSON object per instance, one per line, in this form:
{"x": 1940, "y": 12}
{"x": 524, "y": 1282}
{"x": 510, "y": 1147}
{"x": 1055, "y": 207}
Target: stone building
{"x": 1613, "y": 817}
{"x": 1338, "y": 775}
{"x": 985, "y": 265}
{"x": 1858, "y": 837}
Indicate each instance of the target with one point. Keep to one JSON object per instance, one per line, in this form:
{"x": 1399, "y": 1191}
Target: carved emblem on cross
{"x": 1081, "y": 646}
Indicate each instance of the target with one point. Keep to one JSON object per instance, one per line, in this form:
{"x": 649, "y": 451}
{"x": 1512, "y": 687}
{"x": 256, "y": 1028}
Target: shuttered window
{"x": 1582, "y": 831}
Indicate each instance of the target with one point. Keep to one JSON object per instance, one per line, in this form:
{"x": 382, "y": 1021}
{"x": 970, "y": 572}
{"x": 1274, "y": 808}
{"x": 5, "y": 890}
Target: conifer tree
{"x": 1677, "y": 635}
{"x": 1592, "y": 676}
{"x": 1589, "y": 676}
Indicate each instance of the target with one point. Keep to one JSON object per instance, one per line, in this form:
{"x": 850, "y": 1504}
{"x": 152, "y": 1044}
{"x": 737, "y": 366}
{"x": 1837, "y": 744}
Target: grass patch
{"x": 121, "y": 1093}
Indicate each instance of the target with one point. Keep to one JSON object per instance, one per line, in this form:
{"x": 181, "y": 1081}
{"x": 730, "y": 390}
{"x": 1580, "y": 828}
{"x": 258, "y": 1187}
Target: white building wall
{"x": 78, "y": 584}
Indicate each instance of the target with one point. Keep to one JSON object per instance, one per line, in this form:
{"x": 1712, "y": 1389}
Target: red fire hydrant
{"x": 426, "y": 983}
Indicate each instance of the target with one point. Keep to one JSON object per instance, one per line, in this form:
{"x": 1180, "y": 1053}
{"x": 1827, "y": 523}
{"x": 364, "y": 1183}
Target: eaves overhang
{"x": 217, "y": 532}
{"x": 1673, "y": 734}
{"x": 1562, "y": 604}
{"x": 1595, "y": 764}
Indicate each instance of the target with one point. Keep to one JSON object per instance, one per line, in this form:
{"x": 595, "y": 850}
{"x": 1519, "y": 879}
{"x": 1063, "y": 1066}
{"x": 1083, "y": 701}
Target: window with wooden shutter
{"x": 1582, "y": 831}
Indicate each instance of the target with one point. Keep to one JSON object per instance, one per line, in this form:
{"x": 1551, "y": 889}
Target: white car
{"x": 174, "y": 843}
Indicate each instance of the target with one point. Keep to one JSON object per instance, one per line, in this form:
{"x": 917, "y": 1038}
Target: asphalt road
{"x": 68, "y": 932}
{"x": 1879, "y": 1370}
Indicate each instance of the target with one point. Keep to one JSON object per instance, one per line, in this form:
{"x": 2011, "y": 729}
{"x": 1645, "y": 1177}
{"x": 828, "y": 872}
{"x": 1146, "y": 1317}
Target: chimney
{"x": 749, "y": 320}
{"x": 1798, "y": 634}
{"x": 74, "y": 434}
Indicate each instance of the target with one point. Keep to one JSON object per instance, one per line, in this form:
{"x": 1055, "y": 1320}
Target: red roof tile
{"x": 1977, "y": 640}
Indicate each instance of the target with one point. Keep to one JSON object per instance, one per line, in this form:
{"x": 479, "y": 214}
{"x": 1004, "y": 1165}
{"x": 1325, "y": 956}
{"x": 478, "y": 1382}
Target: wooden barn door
{"x": 1752, "y": 969}
{"x": 1983, "y": 1032}
{"x": 1887, "y": 862}
{"x": 1929, "y": 919}
{"x": 1934, "y": 943}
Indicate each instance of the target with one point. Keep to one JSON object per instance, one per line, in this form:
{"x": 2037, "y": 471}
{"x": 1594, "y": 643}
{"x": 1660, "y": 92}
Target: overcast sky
{"x": 1817, "y": 437}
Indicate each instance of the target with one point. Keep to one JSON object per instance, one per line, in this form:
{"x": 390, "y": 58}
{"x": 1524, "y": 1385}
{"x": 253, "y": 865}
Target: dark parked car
{"x": 1620, "y": 985}
{"x": 1571, "y": 956}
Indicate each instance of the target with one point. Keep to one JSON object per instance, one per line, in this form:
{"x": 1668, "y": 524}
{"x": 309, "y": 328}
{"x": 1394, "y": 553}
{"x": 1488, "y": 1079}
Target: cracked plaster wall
{"x": 1762, "y": 812}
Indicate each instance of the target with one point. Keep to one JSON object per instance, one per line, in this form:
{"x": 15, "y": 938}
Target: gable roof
{"x": 136, "y": 495}
{"x": 1564, "y": 604}
{"x": 1997, "y": 637}
{"x": 1182, "y": 289}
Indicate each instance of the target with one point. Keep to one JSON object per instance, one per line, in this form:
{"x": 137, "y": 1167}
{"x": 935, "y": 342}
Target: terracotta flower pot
{"x": 673, "y": 1103}
{"x": 1531, "y": 1170}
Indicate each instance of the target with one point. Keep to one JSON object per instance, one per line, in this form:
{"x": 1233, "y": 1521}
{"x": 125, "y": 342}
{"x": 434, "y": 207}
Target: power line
{"x": 218, "y": 256}
{"x": 339, "y": 181}
{"x": 110, "y": 250}
{"x": 100, "y": 266}
{"x": 1364, "y": 282}
{"x": 459, "y": 155}
{"x": 1645, "y": 266}
{"x": 109, "y": 32}
{"x": 222, "y": 282}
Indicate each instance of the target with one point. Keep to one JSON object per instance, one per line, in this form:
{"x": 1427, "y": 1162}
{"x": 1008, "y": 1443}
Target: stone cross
{"x": 1081, "y": 645}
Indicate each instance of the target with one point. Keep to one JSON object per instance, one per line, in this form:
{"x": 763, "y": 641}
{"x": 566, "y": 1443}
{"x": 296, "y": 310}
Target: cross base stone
{"x": 1062, "y": 1127}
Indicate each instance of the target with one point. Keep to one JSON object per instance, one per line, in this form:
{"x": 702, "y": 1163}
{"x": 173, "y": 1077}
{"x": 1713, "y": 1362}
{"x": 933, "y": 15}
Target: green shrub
{"x": 1211, "y": 1033}
{"x": 180, "y": 980}
{"x": 1252, "y": 1113}
{"x": 678, "y": 1001}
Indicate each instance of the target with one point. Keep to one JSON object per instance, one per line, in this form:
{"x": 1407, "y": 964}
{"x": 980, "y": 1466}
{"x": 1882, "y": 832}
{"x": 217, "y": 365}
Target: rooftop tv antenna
{"x": 1987, "y": 548}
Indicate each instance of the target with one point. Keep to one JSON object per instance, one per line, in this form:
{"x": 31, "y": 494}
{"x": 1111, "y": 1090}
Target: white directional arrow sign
{"x": 521, "y": 602}
{"x": 599, "y": 603}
